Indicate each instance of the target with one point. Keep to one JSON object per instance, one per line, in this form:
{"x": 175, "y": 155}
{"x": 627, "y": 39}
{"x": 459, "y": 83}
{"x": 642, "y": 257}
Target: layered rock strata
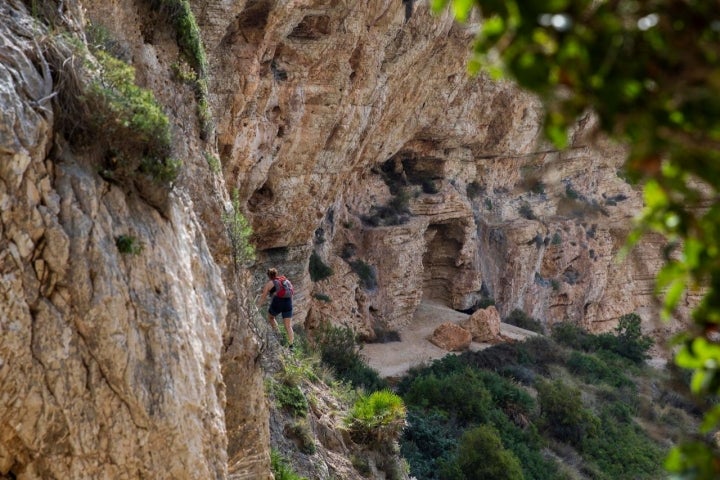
{"x": 346, "y": 130}
{"x": 109, "y": 361}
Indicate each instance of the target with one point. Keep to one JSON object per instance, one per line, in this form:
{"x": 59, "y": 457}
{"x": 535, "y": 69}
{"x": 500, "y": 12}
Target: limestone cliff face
{"x": 354, "y": 132}
{"x": 347, "y": 130}
{"x": 109, "y": 363}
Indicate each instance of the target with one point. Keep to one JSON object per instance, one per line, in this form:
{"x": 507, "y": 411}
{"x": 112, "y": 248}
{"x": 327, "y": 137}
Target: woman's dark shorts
{"x": 281, "y": 305}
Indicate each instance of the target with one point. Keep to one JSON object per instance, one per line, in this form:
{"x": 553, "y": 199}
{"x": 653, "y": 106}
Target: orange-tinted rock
{"x": 451, "y": 337}
{"x": 484, "y": 324}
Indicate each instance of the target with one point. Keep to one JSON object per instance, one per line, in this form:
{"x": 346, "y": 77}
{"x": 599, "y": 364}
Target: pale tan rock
{"x": 146, "y": 366}
{"x": 483, "y": 324}
{"x": 110, "y": 362}
{"x": 451, "y": 337}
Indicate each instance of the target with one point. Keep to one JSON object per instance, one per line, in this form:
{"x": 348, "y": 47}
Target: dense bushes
{"x": 461, "y": 394}
{"x": 467, "y": 417}
{"x": 133, "y": 125}
{"x": 366, "y": 272}
{"x": 340, "y": 351}
{"x": 281, "y": 469}
{"x": 429, "y": 442}
{"x": 621, "y": 449}
{"x": 592, "y": 369}
{"x": 465, "y": 396}
{"x": 319, "y": 270}
{"x": 521, "y": 319}
{"x": 563, "y": 414}
{"x": 481, "y": 455}
{"x": 473, "y": 399}
{"x": 627, "y": 342}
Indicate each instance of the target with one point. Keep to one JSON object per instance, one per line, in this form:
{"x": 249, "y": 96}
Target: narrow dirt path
{"x": 394, "y": 359}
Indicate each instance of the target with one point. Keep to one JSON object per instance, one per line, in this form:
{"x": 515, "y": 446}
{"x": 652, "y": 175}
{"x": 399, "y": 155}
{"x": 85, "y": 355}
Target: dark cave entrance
{"x": 443, "y": 243}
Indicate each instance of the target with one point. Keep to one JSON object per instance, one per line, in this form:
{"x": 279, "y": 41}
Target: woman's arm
{"x": 265, "y": 291}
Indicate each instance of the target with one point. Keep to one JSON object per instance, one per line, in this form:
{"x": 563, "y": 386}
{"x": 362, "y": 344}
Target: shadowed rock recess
{"x": 347, "y": 130}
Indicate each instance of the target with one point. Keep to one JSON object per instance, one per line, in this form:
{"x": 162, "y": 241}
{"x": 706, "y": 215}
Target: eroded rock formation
{"x": 110, "y": 363}
{"x": 346, "y": 129}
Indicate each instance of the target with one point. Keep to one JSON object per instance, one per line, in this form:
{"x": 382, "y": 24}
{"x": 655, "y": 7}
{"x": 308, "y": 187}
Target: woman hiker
{"x": 281, "y": 291}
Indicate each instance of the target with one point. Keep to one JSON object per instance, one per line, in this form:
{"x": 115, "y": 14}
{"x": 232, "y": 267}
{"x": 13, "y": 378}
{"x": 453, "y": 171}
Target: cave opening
{"x": 443, "y": 242}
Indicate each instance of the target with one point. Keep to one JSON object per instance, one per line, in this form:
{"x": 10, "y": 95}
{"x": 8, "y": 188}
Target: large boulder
{"x": 451, "y": 337}
{"x": 484, "y": 324}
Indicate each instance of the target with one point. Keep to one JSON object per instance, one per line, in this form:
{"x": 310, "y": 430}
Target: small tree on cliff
{"x": 649, "y": 70}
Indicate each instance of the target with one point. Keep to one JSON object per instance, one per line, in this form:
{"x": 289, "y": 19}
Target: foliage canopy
{"x": 650, "y": 70}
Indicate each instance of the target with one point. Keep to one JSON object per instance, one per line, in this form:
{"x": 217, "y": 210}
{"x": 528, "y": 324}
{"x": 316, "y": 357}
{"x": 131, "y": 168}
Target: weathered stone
{"x": 484, "y": 324}
{"x": 110, "y": 361}
{"x": 451, "y": 337}
{"x": 434, "y": 186}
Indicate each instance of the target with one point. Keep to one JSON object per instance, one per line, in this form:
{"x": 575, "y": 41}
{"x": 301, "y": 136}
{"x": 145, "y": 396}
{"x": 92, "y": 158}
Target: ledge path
{"x": 394, "y": 359}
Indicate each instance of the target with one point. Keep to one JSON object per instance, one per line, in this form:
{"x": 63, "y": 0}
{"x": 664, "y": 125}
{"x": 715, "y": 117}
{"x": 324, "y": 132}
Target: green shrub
{"x": 481, "y": 455}
{"x": 339, "y": 350}
{"x": 539, "y": 353}
{"x": 594, "y": 370}
{"x": 319, "y": 270}
{"x": 521, "y": 319}
{"x": 395, "y": 212}
{"x": 130, "y": 112}
{"x": 526, "y": 211}
{"x": 291, "y": 398}
{"x": 183, "y": 72}
{"x": 512, "y": 399}
{"x": 622, "y": 450}
{"x": 281, "y": 469}
{"x": 452, "y": 391}
{"x": 297, "y": 369}
{"x": 563, "y": 414}
{"x": 377, "y": 419}
{"x": 300, "y": 430}
{"x": 572, "y": 336}
{"x": 461, "y": 393}
{"x": 213, "y": 162}
{"x": 518, "y": 373}
{"x": 240, "y": 231}
{"x": 128, "y": 244}
{"x": 429, "y": 440}
{"x": 556, "y": 239}
{"x": 366, "y": 272}
{"x": 526, "y": 444}
{"x": 163, "y": 171}
{"x": 628, "y": 341}
{"x": 488, "y": 204}
{"x": 132, "y": 123}
{"x": 493, "y": 358}
{"x": 444, "y": 366}
{"x": 322, "y": 297}
{"x": 474, "y": 189}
